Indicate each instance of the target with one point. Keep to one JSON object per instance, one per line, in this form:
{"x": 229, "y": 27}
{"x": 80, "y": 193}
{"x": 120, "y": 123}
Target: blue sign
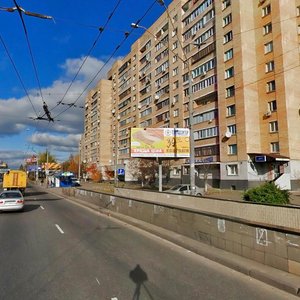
{"x": 260, "y": 158}
{"x": 121, "y": 171}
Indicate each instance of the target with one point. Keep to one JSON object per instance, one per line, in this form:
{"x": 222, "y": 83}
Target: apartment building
{"x": 95, "y": 144}
{"x": 235, "y": 63}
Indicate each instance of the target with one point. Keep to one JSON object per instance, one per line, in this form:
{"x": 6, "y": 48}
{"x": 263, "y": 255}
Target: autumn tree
{"x": 46, "y": 156}
{"x": 146, "y": 170}
{"x": 94, "y": 173}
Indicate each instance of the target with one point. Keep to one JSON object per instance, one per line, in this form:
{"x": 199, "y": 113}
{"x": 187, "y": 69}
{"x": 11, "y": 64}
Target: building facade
{"x": 95, "y": 145}
{"x": 234, "y": 66}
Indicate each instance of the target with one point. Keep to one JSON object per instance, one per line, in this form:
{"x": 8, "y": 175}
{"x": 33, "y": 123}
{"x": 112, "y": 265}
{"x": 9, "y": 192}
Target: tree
{"x": 267, "y": 193}
{"x": 42, "y": 157}
{"x": 146, "y": 169}
{"x": 94, "y": 173}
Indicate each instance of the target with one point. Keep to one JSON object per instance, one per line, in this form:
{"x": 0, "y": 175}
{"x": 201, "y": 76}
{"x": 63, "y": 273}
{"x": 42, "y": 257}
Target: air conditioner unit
{"x": 267, "y": 113}
{"x": 139, "y": 106}
{"x": 167, "y": 119}
{"x": 156, "y": 98}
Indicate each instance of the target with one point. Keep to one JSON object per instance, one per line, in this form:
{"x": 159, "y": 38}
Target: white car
{"x": 11, "y": 200}
{"x": 184, "y": 189}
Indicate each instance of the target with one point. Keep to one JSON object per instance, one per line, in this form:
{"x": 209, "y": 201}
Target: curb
{"x": 271, "y": 276}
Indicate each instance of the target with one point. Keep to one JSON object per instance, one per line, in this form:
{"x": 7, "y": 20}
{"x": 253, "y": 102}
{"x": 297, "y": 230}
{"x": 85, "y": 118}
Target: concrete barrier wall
{"x": 266, "y": 234}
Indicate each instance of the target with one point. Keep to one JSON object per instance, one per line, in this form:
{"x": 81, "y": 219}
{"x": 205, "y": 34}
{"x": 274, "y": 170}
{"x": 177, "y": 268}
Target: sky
{"x": 59, "y": 60}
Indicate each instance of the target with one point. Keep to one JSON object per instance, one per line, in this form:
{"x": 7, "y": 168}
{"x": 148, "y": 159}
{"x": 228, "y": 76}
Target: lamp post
{"x": 190, "y": 106}
{"x": 115, "y": 152}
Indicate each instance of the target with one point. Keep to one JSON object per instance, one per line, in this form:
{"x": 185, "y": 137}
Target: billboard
{"x": 160, "y": 142}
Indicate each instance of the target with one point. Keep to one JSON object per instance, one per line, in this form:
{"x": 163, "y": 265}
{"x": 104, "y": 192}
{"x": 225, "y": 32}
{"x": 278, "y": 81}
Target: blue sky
{"x": 58, "y": 47}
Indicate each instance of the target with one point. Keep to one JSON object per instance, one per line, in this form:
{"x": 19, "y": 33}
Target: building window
{"x": 230, "y": 91}
{"x": 272, "y": 105}
{"x": 271, "y": 86}
{"x": 227, "y": 20}
{"x": 273, "y": 126}
{"x": 227, "y": 37}
{"x": 228, "y": 54}
{"x": 267, "y": 28}
{"x": 174, "y": 32}
{"x": 206, "y": 133}
{"x": 175, "y": 85}
{"x": 298, "y": 11}
{"x": 232, "y": 129}
{"x": 268, "y": 47}
{"x": 269, "y": 66}
{"x": 275, "y": 147}
{"x": 176, "y": 113}
{"x": 232, "y": 149}
{"x": 175, "y": 45}
{"x": 175, "y": 71}
{"x": 232, "y": 170}
{"x": 175, "y": 99}
{"x": 206, "y": 116}
{"x": 225, "y": 4}
{"x": 229, "y": 73}
{"x": 266, "y": 10}
{"x": 230, "y": 111}
{"x": 207, "y": 150}
{"x": 175, "y": 58}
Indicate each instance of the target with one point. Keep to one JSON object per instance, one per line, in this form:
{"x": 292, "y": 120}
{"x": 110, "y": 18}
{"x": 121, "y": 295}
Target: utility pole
{"x": 79, "y": 165}
{"x": 47, "y": 170}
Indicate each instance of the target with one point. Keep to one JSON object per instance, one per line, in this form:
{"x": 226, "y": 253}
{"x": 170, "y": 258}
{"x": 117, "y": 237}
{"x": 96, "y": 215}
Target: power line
{"x": 20, "y": 10}
{"x": 101, "y": 29}
{"x": 110, "y": 57}
{"x": 18, "y": 74}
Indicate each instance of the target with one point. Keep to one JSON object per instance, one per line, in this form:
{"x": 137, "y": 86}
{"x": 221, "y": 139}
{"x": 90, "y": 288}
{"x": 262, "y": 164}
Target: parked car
{"x": 75, "y": 181}
{"x": 184, "y": 189}
{"x": 11, "y": 200}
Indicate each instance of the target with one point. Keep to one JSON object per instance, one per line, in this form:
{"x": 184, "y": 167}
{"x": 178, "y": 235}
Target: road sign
{"x": 121, "y": 171}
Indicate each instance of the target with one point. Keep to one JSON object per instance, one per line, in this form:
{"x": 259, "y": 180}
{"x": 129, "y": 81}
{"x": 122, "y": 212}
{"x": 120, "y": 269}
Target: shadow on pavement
{"x": 29, "y": 194}
{"x": 139, "y": 277}
{"x": 27, "y": 208}
{"x": 42, "y": 200}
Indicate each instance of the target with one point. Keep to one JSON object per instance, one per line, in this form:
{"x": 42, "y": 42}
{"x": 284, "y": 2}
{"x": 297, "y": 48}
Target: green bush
{"x": 267, "y": 193}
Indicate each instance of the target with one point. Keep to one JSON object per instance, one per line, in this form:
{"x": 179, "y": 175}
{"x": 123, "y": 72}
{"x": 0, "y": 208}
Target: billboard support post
{"x": 159, "y": 174}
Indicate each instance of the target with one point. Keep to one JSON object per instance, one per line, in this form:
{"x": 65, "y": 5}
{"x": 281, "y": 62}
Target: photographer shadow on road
{"x": 139, "y": 277}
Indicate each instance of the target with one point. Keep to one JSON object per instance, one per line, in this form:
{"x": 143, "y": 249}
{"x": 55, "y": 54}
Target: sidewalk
{"x": 271, "y": 276}
{"x": 235, "y": 195}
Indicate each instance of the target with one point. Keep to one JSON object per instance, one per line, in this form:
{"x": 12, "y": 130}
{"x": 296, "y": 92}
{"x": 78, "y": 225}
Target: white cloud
{"x": 60, "y": 137}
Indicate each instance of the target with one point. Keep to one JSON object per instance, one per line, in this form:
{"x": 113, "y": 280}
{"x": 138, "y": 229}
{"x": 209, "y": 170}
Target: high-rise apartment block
{"x": 236, "y": 63}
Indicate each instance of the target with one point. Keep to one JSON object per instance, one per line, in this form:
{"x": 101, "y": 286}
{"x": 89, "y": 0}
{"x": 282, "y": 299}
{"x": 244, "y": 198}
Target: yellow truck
{"x": 15, "y": 179}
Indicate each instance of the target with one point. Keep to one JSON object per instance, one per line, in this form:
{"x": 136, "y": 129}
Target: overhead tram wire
{"x": 101, "y": 29}
{"x": 20, "y": 10}
{"x": 110, "y": 57}
{"x": 18, "y": 74}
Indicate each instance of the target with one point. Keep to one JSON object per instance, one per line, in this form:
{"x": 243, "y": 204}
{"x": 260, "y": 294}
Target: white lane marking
{"x": 59, "y": 229}
{"x": 42, "y": 207}
{"x": 97, "y": 281}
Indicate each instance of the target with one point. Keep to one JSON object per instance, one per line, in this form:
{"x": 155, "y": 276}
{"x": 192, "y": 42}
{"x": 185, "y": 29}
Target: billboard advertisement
{"x": 160, "y": 142}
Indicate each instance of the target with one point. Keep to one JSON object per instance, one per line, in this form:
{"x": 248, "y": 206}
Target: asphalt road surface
{"x": 56, "y": 249}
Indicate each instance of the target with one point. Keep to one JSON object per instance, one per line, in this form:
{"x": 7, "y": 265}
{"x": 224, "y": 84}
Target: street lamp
{"x": 134, "y": 25}
{"x": 190, "y": 105}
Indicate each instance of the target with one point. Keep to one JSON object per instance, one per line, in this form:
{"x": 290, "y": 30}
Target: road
{"x": 56, "y": 249}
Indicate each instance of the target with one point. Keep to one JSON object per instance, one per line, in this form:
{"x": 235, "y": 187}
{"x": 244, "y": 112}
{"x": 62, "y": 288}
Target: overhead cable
{"x": 20, "y": 11}
{"x": 110, "y": 57}
{"x": 101, "y": 29}
{"x": 18, "y": 74}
